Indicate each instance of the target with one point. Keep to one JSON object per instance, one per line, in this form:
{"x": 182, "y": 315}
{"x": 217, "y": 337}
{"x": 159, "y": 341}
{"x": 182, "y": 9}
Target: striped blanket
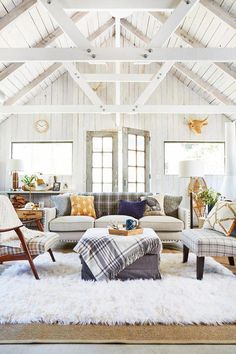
{"x": 107, "y": 255}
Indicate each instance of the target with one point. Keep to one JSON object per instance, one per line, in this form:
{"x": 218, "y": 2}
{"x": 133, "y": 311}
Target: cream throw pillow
{"x": 222, "y": 218}
{"x": 154, "y": 205}
{"x": 82, "y": 205}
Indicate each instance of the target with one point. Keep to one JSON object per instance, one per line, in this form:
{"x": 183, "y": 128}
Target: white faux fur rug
{"x": 61, "y": 297}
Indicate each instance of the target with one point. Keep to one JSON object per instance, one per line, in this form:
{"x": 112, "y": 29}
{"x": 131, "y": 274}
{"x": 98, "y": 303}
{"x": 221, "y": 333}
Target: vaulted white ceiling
{"x": 27, "y": 24}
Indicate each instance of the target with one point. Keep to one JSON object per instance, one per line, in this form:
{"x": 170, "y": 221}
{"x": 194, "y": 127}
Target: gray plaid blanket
{"x": 107, "y": 255}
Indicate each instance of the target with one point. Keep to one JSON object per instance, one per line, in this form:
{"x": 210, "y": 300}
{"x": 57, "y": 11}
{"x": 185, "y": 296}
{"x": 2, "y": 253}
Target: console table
{"x": 37, "y": 196}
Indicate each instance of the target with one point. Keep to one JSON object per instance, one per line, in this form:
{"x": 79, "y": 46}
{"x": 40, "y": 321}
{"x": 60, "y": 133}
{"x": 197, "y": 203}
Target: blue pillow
{"x": 135, "y": 209}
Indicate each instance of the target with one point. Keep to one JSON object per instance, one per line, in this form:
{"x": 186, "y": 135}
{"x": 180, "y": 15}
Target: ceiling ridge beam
{"x": 46, "y": 41}
{"x": 150, "y": 109}
{"x": 192, "y": 42}
{"x": 160, "y": 38}
{"x": 16, "y": 12}
{"x": 82, "y": 83}
{"x": 68, "y": 26}
{"x": 219, "y": 12}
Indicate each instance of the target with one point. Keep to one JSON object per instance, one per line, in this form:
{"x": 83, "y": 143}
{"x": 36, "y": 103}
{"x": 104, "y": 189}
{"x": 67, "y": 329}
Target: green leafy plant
{"x": 29, "y": 181}
{"x": 209, "y": 197}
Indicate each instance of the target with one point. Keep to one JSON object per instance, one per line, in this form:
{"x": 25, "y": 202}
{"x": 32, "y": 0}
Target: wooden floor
{"x": 44, "y": 333}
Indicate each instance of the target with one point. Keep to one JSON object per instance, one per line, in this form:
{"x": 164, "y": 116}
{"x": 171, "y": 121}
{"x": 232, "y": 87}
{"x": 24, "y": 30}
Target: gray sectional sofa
{"x": 71, "y": 228}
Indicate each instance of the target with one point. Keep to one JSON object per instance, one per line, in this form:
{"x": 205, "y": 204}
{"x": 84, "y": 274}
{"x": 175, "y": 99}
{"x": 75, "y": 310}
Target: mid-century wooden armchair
{"x": 20, "y": 243}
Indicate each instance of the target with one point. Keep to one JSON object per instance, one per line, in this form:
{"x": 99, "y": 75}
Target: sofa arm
{"x": 184, "y": 215}
{"x": 49, "y": 214}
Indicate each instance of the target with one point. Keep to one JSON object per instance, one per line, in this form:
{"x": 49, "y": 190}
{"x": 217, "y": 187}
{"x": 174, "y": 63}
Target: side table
{"x": 35, "y": 216}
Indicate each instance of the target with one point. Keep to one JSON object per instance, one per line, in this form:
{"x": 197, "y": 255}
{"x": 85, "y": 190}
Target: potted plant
{"x": 28, "y": 184}
{"x": 209, "y": 197}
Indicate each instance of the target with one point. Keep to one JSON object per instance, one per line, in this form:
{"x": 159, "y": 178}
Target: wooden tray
{"x": 137, "y": 231}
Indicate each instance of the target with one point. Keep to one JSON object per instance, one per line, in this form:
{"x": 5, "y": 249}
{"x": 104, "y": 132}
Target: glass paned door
{"x": 102, "y": 162}
{"x": 136, "y": 160}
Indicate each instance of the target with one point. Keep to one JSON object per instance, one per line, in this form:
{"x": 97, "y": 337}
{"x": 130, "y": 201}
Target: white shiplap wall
{"x": 73, "y": 127}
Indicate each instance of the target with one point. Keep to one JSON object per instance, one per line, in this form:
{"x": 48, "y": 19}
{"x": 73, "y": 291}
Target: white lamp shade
{"x": 16, "y": 165}
{"x": 191, "y": 168}
{"x": 228, "y": 188}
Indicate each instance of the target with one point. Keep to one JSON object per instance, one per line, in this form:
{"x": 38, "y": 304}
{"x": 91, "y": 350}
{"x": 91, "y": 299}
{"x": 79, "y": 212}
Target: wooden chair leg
{"x": 185, "y": 254}
{"x": 26, "y": 250}
{"x": 51, "y": 254}
{"x": 231, "y": 261}
{"x": 200, "y": 267}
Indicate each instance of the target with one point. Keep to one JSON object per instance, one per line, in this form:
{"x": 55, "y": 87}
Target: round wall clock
{"x": 41, "y": 125}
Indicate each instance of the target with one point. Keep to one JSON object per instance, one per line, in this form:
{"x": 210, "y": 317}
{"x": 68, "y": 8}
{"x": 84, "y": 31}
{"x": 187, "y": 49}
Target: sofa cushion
{"x": 171, "y": 204}
{"x": 105, "y": 221}
{"x": 71, "y": 223}
{"x": 82, "y": 205}
{"x": 154, "y": 205}
{"x": 62, "y": 204}
{"x": 162, "y": 223}
{"x": 134, "y": 209}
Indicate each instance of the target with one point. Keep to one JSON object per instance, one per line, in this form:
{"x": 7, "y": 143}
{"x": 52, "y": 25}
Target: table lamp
{"x": 191, "y": 169}
{"x": 15, "y": 166}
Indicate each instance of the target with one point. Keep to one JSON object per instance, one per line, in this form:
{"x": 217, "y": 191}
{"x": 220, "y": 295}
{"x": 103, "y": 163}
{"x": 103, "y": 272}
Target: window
{"x": 211, "y": 152}
{"x": 136, "y": 160}
{"x": 102, "y": 162}
{"x": 49, "y": 158}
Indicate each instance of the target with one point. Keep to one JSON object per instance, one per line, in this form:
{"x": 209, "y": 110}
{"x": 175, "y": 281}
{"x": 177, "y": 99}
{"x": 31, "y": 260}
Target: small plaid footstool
{"x": 207, "y": 242}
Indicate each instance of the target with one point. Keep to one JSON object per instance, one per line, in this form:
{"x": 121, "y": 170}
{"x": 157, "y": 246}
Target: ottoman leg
{"x": 231, "y": 261}
{"x": 200, "y": 267}
{"x": 185, "y": 254}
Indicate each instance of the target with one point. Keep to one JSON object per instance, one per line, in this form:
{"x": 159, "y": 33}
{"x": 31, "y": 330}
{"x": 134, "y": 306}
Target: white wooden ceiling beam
{"x": 219, "y": 12}
{"x": 216, "y": 94}
{"x": 195, "y": 78}
{"x": 108, "y": 5}
{"x": 127, "y": 54}
{"x": 34, "y": 83}
{"x": 164, "y": 33}
{"x": 82, "y": 83}
{"x": 172, "y": 23}
{"x": 117, "y": 77}
{"x": 38, "y": 80}
{"x": 129, "y": 109}
{"x": 16, "y": 12}
{"x": 66, "y": 24}
{"x": 155, "y": 82}
{"x": 49, "y": 39}
{"x": 191, "y": 42}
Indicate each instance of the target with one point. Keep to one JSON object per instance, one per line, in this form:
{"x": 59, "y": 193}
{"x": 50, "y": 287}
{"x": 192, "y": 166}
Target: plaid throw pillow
{"x": 222, "y": 218}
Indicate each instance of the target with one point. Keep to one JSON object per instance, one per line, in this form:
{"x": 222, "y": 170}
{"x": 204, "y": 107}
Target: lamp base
{"x": 15, "y": 180}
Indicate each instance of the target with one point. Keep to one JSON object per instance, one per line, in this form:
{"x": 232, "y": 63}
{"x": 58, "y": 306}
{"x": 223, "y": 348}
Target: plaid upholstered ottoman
{"x": 207, "y": 242}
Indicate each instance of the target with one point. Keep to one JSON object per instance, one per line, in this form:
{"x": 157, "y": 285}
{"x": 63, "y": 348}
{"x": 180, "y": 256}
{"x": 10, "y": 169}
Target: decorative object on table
{"x": 15, "y": 166}
{"x": 82, "y": 205}
{"x": 228, "y": 188}
{"x": 131, "y": 224}
{"x": 222, "y": 218}
{"x": 41, "y": 185}
{"x": 154, "y": 204}
{"x": 209, "y": 198}
{"x": 133, "y": 232}
{"x": 192, "y": 169}
{"x": 130, "y": 208}
{"x": 196, "y": 125}
{"x": 18, "y": 201}
{"x": 29, "y": 184}
{"x": 56, "y": 186}
{"x": 29, "y": 206}
{"x": 41, "y": 125}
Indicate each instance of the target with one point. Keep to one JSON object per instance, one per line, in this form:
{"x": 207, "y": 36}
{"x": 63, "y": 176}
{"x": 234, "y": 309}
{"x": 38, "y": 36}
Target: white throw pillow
{"x": 154, "y": 205}
{"x": 222, "y": 218}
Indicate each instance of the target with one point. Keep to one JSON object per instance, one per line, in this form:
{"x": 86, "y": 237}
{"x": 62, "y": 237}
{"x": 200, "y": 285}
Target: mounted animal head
{"x": 196, "y": 125}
